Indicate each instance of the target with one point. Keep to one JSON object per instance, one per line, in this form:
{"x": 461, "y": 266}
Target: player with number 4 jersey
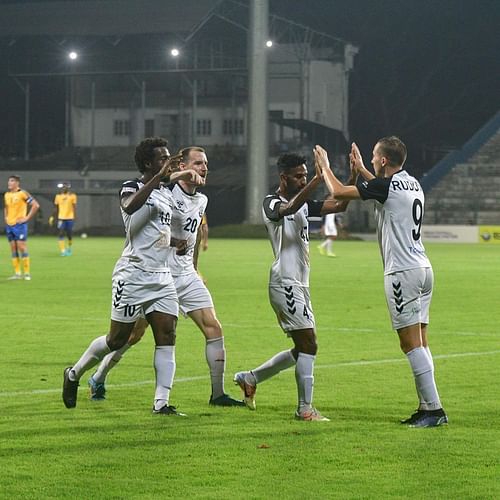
{"x": 408, "y": 275}
{"x": 286, "y": 217}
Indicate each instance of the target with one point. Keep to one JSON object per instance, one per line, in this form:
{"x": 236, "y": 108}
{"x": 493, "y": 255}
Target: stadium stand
{"x": 464, "y": 187}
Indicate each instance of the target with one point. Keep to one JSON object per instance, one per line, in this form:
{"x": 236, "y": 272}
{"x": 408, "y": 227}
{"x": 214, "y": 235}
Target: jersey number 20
{"x": 191, "y": 225}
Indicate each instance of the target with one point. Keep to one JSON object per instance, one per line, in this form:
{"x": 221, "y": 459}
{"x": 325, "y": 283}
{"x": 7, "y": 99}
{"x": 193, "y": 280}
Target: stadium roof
{"x": 99, "y": 18}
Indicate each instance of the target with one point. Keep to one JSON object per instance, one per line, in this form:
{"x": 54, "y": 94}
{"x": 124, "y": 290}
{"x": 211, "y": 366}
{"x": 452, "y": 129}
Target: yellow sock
{"x": 61, "y": 245}
{"x": 16, "y": 263}
{"x": 26, "y": 265}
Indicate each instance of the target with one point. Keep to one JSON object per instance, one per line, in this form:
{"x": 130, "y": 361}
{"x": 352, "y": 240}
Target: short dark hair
{"x": 144, "y": 152}
{"x": 288, "y": 161}
{"x": 394, "y": 149}
{"x": 185, "y": 152}
{"x": 16, "y": 177}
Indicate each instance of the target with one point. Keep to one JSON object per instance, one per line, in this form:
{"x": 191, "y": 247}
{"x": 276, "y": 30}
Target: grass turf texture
{"x": 117, "y": 449}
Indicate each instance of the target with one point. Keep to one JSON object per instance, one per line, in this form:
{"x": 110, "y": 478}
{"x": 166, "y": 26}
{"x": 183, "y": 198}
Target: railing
{"x": 443, "y": 167}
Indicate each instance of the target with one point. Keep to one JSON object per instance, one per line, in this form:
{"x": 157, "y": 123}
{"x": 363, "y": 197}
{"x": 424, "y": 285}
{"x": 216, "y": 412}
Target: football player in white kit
{"x": 408, "y": 276}
{"x": 330, "y": 232}
{"x": 286, "y": 217}
{"x": 142, "y": 283}
{"x": 195, "y": 300}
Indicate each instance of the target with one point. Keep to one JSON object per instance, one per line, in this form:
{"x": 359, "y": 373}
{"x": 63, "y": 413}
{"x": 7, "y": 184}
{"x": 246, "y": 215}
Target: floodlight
{"x": 269, "y": 43}
{"x": 175, "y": 52}
{"x": 73, "y": 55}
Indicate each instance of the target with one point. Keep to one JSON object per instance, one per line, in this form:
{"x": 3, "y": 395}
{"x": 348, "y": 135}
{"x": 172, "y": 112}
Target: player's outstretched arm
{"x": 130, "y": 203}
{"x": 336, "y": 188}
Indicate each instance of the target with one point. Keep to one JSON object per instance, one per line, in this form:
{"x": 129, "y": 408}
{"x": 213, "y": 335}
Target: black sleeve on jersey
{"x": 374, "y": 189}
{"x": 272, "y": 207}
{"x": 128, "y": 188}
{"x": 314, "y": 208}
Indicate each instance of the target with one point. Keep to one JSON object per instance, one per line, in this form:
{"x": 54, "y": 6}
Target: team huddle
{"x": 156, "y": 274}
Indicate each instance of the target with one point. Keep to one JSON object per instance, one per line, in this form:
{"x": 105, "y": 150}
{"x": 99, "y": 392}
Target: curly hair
{"x": 288, "y": 161}
{"x": 144, "y": 152}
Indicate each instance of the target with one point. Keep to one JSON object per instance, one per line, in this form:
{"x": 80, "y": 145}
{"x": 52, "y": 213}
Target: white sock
{"x": 164, "y": 363}
{"x": 323, "y": 244}
{"x": 424, "y": 378}
{"x": 423, "y": 405}
{"x": 428, "y": 351}
{"x": 94, "y": 353}
{"x": 329, "y": 246}
{"x": 216, "y": 360}
{"x": 109, "y": 361}
{"x": 304, "y": 375}
{"x": 271, "y": 367}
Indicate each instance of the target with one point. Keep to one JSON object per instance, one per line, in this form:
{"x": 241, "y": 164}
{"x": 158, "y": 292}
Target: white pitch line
{"x": 195, "y": 379}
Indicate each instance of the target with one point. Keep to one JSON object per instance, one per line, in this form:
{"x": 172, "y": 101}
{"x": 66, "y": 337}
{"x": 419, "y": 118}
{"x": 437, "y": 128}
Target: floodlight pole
{"x": 257, "y": 143}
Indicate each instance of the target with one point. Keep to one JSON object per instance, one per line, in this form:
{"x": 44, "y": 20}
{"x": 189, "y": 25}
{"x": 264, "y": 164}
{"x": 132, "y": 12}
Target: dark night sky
{"x": 427, "y": 70}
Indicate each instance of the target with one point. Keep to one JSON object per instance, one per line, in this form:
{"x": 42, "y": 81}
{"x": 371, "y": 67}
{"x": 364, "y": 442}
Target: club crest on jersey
{"x": 179, "y": 203}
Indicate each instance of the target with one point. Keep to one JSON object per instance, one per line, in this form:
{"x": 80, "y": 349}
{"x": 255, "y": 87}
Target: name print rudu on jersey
{"x": 405, "y": 185}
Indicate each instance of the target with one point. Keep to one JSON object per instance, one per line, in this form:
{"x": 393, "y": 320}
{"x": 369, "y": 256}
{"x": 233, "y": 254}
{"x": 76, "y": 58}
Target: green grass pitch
{"x": 117, "y": 449}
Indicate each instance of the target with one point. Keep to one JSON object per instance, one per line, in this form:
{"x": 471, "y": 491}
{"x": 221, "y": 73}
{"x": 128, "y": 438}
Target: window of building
{"x": 121, "y": 127}
{"x": 204, "y": 127}
{"x": 230, "y": 127}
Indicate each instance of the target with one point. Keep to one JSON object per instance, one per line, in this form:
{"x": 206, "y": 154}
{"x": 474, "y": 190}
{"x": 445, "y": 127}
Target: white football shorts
{"x": 330, "y": 228}
{"x": 137, "y": 293}
{"x": 292, "y": 305}
{"x": 192, "y": 293}
{"x": 408, "y": 295}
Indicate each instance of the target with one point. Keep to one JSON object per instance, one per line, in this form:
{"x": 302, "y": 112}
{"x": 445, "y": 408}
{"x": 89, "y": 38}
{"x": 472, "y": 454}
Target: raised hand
{"x": 355, "y": 158}
{"x": 172, "y": 165}
{"x": 321, "y": 158}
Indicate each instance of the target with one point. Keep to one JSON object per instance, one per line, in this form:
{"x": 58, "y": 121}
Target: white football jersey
{"x": 399, "y": 212}
{"x": 186, "y": 219}
{"x": 147, "y": 230}
{"x": 289, "y": 238}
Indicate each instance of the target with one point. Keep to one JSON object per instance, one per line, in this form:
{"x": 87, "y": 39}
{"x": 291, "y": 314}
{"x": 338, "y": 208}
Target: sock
{"x": 109, "y": 361}
{"x": 70, "y": 244}
{"x": 323, "y": 244}
{"x": 424, "y": 378}
{"x": 94, "y": 353}
{"x": 164, "y": 363}
{"x": 16, "y": 263}
{"x": 329, "y": 246}
{"x": 271, "y": 367}
{"x": 422, "y": 404}
{"x": 61, "y": 245}
{"x": 26, "y": 263}
{"x": 429, "y": 354}
{"x": 215, "y": 354}
{"x": 304, "y": 375}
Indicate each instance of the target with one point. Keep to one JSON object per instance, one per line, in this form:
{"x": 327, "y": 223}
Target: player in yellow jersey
{"x": 17, "y": 216}
{"x": 64, "y": 211}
